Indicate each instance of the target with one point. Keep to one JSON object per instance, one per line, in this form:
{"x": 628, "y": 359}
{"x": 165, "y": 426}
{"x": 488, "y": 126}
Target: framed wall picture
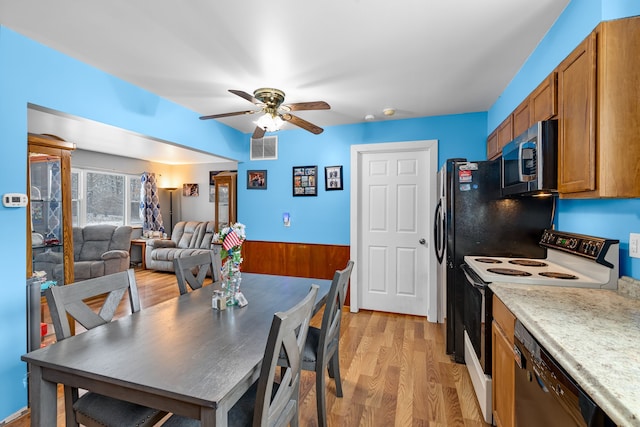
{"x": 190, "y": 190}
{"x": 305, "y": 181}
{"x": 333, "y": 178}
{"x": 256, "y": 179}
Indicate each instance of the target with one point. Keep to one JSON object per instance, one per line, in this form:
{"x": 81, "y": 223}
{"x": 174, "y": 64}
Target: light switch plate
{"x": 634, "y": 245}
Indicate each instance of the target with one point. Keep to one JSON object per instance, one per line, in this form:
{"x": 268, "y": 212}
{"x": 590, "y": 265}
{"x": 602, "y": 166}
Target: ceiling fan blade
{"x": 302, "y": 123}
{"x": 258, "y": 133}
{"x": 300, "y": 106}
{"x": 245, "y": 95}
{"x": 218, "y": 116}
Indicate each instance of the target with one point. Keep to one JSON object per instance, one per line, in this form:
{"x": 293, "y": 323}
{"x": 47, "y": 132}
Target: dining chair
{"x": 267, "y": 402}
{"x": 200, "y": 264}
{"x": 322, "y": 346}
{"x": 93, "y": 409}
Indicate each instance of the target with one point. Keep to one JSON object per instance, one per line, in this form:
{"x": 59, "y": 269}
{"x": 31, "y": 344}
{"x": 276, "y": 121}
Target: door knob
{"x": 422, "y": 241}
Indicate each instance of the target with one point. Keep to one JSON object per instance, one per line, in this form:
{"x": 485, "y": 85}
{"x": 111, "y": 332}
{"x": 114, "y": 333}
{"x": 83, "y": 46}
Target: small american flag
{"x": 231, "y": 240}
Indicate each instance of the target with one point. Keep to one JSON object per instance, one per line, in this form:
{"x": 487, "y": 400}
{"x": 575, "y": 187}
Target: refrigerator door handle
{"x": 438, "y": 233}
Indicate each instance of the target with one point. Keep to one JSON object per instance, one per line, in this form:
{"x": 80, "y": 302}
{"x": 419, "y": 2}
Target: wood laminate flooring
{"x": 394, "y": 370}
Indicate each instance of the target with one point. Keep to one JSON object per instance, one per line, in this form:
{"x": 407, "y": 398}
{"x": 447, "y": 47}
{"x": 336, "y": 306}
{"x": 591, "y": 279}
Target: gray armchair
{"x": 98, "y": 250}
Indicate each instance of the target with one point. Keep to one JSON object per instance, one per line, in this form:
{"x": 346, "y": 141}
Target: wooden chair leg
{"x": 320, "y": 398}
{"x": 70, "y": 396}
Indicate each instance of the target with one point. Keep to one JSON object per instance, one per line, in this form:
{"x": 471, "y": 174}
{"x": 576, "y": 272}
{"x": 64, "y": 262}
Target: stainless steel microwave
{"x": 530, "y": 161}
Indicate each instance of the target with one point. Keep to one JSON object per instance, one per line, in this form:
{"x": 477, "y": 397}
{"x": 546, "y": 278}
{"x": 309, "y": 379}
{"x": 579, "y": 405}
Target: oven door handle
{"x": 473, "y": 278}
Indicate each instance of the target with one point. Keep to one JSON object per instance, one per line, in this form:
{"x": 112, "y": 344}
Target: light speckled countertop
{"x": 594, "y": 334}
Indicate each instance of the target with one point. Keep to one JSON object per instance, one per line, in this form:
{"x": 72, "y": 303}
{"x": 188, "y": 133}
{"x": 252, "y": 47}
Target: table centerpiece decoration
{"x": 231, "y": 239}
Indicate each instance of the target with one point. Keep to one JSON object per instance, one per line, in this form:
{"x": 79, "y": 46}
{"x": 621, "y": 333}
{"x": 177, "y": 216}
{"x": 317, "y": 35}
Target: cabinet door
{"x": 577, "y": 119}
{"x": 503, "y": 378}
{"x": 492, "y": 146}
{"x": 521, "y": 120}
{"x": 543, "y": 101}
{"x": 505, "y": 132}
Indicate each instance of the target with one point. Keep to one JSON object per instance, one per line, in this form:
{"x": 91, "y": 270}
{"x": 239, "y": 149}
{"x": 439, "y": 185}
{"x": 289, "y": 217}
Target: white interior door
{"x": 392, "y": 201}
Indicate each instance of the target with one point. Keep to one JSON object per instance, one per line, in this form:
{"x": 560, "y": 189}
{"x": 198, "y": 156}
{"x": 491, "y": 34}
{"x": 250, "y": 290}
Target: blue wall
{"x": 325, "y": 218}
{"x": 32, "y": 73}
{"x": 609, "y": 218}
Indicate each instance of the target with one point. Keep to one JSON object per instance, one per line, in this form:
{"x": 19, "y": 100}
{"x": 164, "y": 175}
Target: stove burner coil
{"x": 489, "y": 260}
{"x": 508, "y": 272}
{"x": 555, "y": 275}
{"x": 528, "y": 262}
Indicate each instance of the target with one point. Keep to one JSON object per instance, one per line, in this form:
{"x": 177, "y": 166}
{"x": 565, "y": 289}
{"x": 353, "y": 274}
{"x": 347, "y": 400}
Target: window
{"x": 104, "y": 198}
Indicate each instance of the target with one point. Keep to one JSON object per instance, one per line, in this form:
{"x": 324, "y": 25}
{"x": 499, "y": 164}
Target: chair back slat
{"x": 192, "y": 270}
{"x": 84, "y": 315}
{"x": 287, "y": 335}
{"x": 332, "y": 315}
{"x": 70, "y": 299}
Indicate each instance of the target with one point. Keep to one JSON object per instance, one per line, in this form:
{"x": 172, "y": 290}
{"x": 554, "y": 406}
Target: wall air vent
{"x": 265, "y": 148}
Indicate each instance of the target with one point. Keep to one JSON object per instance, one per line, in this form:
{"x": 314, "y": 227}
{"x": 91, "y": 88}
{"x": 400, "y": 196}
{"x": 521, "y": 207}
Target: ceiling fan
{"x": 275, "y": 112}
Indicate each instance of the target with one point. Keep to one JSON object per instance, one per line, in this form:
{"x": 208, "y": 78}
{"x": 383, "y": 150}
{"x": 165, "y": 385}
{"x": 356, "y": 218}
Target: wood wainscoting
{"x": 294, "y": 259}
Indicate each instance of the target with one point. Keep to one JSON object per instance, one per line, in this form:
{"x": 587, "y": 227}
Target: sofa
{"x": 187, "y": 238}
{"x": 98, "y": 250}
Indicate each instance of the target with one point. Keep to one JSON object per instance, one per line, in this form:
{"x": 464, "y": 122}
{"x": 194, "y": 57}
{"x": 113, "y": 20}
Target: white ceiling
{"x": 419, "y": 57}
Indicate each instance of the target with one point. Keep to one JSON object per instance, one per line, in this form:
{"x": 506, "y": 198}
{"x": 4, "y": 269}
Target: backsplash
{"x": 629, "y": 287}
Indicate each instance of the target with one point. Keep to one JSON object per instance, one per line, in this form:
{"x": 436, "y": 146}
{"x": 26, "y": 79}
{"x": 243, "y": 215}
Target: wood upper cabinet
{"x": 598, "y": 105}
{"x": 499, "y": 138}
{"x": 576, "y": 115}
{"x": 505, "y": 132}
{"x": 543, "y": 101}
{"x": 503, "y": 365}
{"x": 492, "y": 146}
{"x": 541, "y": 104}
{"x": 521, "y": 118}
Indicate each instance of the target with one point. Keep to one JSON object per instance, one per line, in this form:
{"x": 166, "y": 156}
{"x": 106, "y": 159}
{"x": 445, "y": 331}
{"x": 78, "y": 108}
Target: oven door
{"x": 477, "y": 316}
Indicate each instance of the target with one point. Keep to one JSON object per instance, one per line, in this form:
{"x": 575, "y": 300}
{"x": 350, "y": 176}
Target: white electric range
{"x": 573, "y": 260}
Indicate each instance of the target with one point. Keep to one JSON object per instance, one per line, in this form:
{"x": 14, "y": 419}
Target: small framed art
{"x": 190, "y": 190}
{"x": 305, "y": 181}
{"x": 256, "y": 179}
{"x": 333, "y": 178}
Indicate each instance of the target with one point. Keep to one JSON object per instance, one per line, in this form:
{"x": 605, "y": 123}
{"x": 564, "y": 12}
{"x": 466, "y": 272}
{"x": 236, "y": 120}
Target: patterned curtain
{"x": 150, "y": 204}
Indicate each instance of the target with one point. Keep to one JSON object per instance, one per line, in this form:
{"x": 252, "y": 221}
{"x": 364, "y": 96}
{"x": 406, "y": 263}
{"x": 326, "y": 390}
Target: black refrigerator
{"x": 472, "y": 218}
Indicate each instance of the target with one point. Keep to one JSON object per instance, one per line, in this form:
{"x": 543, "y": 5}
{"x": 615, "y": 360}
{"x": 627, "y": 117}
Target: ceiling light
{"x": 270, "y": 122}
{"x": 389, "y": 111}
{"x": 369, "y": 117}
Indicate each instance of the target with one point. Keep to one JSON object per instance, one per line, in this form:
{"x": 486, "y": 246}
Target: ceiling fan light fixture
{"x": 270, "y": 122}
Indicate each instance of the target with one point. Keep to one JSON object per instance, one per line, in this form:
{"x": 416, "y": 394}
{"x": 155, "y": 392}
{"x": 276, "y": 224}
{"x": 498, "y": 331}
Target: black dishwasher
{"x": 545, "y": 394}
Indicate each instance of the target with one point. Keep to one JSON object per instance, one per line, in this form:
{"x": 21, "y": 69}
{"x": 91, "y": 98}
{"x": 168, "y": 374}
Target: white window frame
{"x": 82, "y": 199}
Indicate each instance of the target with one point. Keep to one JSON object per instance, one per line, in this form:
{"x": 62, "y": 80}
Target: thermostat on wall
{"x": 14, "y": 200}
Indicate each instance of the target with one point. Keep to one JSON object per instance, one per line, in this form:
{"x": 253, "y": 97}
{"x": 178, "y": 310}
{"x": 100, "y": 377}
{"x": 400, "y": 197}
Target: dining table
{"x": 181, "y": 356}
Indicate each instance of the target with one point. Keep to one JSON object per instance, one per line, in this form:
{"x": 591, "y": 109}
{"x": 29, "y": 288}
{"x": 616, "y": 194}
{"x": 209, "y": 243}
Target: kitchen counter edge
{"x": 594, "y": 334}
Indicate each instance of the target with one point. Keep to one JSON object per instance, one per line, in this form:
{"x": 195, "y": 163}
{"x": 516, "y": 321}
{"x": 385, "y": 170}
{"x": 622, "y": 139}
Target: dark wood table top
{"x": 180, "y": 354}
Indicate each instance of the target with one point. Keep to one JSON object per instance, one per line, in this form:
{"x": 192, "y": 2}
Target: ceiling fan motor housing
{"x": 272, "y": 98}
